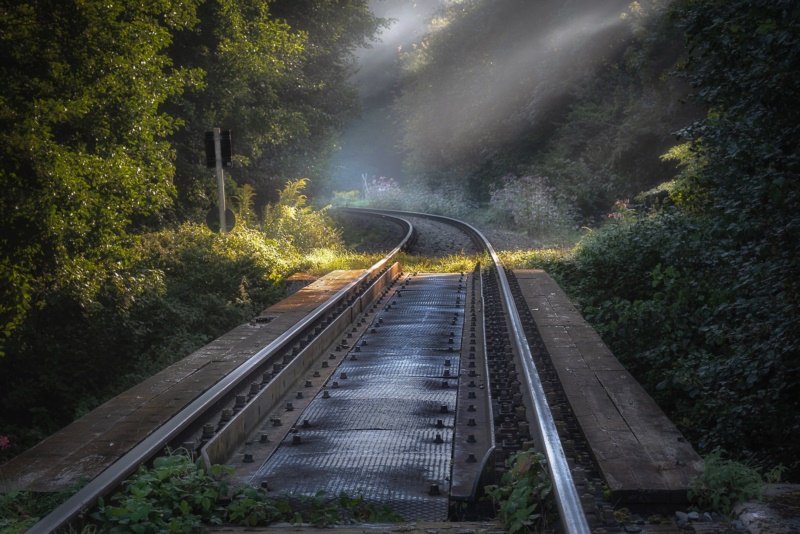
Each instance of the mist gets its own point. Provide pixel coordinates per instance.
(511, 69)
(501, 84)
(371, 143)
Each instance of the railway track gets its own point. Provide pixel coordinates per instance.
(443, 363)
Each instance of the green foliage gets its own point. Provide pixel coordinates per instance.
(176, 495)
(688, 317)
(291, 222)
(524, 495)
(245, 204)
(724, 483)
(102, 116)
(581, 99)
(276, 73)
(20, 510)
(177, 290)
(85, 142)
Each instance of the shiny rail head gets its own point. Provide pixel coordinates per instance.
(151, 446)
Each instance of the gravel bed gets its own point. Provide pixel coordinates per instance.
(508, 240)
(383, 235)
(436, 239)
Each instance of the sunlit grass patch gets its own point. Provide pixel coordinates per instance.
(533, 259)
(321, 261)
(455, 263)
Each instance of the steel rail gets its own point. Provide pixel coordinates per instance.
(566, 494)
(149, 447)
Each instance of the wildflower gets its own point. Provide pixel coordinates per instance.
(4, 443)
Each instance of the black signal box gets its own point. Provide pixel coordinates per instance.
(225, 149)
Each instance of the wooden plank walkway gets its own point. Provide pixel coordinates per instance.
(89, 445)
(642, 457)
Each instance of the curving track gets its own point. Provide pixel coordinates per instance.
(548, 440)
(241, 398)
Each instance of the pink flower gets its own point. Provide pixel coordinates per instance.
(4, 443)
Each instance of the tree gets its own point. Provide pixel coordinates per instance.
(85, 149)
(277, 76)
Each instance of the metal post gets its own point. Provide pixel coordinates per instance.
(220, 180)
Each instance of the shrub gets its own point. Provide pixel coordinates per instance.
(524, 494)
(531, 204)
(291, 222)
(704, 331)
(417, 197)
(724, 483)
(176, 495)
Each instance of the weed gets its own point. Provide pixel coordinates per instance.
(724, 483)
(20, 510)
(454, 263)
(524, 494)
(178, 495)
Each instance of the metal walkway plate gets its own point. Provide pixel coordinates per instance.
(383, 427)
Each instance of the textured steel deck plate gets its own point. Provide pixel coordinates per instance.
(385, 432)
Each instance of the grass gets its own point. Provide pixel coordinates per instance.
(543, 258)
(322, 261)
(20, 510)
(455, 263)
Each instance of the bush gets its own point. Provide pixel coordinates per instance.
(724, 483)
(702, 329)
(417, 197)
(533, 205)
(178, 495)
(163, 296)
(291, 222)
(524, 495)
